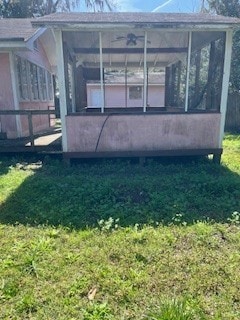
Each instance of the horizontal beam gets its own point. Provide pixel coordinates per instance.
(26, 112)
(130, 154)
(121, 65)
(129, 50)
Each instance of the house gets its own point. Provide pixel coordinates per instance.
(194, 50)
(124, 89)
(27, 59)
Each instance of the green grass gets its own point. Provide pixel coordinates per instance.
(159, 242)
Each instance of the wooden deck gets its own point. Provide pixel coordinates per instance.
(47, 142)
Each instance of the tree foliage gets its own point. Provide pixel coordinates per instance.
(31, 8)
(230, 8)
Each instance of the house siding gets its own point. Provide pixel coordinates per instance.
(7, 123)
(115, 96)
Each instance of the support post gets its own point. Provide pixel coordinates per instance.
(126, 89)
(225, 83)
(167, 86)
(101, 72)
(178, 87)
(30, 127)
(62, 86)
(145, 74)
(15, 95)
(188, 69)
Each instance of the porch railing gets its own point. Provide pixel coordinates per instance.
(29, 113)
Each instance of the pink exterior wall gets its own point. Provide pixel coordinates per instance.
(143, 132)
(40, 122)
(115, 96)
(7, 123)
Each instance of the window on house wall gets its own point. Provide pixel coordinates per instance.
(135, 92)
(50, 85)
(34, 82)
(43, 83)
(22, 71)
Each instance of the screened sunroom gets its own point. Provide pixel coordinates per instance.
(142, 83)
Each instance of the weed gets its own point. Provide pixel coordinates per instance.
(9, 289)
(27, 304)
(108, 225)
(97, 312)
(175, 310)
(235, 218)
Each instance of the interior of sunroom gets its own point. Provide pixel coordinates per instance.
(143, 71)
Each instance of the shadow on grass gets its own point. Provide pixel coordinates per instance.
(161, 191)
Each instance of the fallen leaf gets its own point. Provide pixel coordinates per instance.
(92, 293)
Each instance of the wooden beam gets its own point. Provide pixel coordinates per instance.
(197, 78)
(62, 86)
(15, 93)
(178, 86)
(140, 153)
(26, 112)
(129, 50)
(225, 84)
(145, 73)
(188, 69)
(167, 86)
(211, 75)
(101, 72)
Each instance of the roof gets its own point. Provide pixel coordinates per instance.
(16, 29)
(134, 18)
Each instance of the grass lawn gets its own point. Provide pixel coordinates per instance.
(116, 240)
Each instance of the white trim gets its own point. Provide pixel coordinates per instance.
(15, 94)
(101, 72)
(35, 36)
(145, 73)
(225, 83)
(188, 70)
(144, 26)
(62, 86)
(13, 45)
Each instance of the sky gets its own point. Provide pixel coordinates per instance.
(159, 5)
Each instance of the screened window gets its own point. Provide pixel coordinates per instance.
(34, 82)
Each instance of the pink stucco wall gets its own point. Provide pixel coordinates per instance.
(142, 132)
(40, 122)
(7, 123)
(115, 96)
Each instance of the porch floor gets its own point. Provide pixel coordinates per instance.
(45, 142)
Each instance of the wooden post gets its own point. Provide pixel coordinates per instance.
(126, 89)
(145, 74)
(167, 86)
(62, 86)
(197, 78)
(172, 85)
(101, 72)
(211, 75)
(30, 127)
(15, 95)
(179, 72)
(225, 84)
(188, 69)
